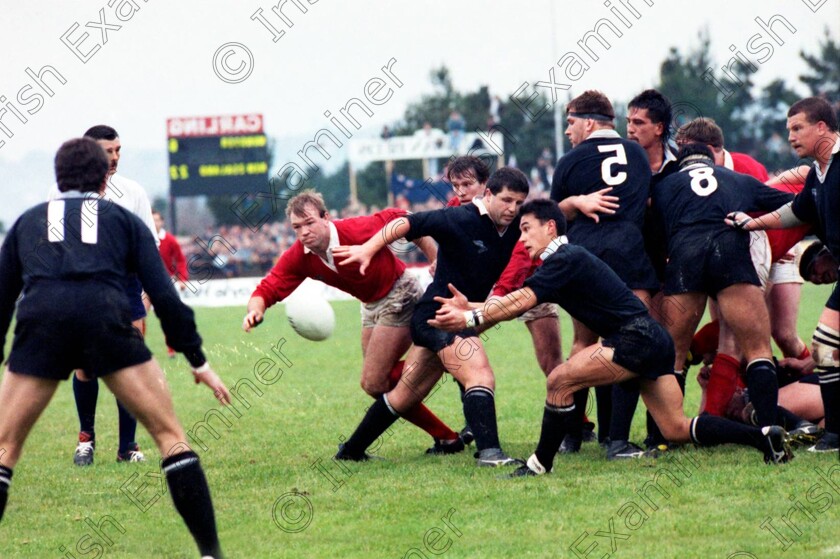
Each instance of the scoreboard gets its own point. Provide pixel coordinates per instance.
(217, 155)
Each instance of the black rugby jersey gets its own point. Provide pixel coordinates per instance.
(61, 252)
(472, 253)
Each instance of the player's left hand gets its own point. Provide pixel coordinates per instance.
(352, 253)
(599, 202)
(738, 220)
(214, 383)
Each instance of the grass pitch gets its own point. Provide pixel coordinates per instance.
(278, 493)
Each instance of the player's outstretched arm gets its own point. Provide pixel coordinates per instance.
(591, 205)
(255, 315)
(782, 218)
(207, 376)
(456, 313)
(393, 230)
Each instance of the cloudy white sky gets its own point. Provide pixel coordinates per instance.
(159, 64)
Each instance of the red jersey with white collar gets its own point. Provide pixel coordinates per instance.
(299, 263)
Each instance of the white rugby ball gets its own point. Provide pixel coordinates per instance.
(312, 317)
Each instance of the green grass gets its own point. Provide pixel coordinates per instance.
(386, 509)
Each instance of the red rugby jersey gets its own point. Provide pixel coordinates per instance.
(297, 264)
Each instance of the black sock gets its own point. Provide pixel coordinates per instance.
(764, 390)
(575, 425)
(480, 411)
(192, 500)
(86, 393)
(461, 390)
(128, 429)
(554, 428)
(710, 430)
(625, 397)
(603, 399)
(5, 482)
(787, 418)
(654, 436)
(830, 392)
(375, 422)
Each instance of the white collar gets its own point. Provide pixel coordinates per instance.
(820, 175)
(478, 201)
(554, 246)
(727, 161)
(161, 234)
(667, 157)
(604, 133)
(482, 210)
(333, 241)
(76, 194)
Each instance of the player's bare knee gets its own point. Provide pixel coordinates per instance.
(675, 431)
(373, 387)
(559, 383)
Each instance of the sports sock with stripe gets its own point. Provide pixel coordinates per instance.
(191, 496)
(554, 428)
(480, 412)
(829, 374)
(5, 483)
(764, 390)
(376, 421)
(708, 430)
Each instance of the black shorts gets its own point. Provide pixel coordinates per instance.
(431, 338)
(622, 248)
(710, 264)
(644, 347)
(91, 332)
(833, 302)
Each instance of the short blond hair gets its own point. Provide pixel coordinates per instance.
(297, 204)
(701, 130)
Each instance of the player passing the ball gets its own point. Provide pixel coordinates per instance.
(70, 258)
(388, 294)
(632, 344)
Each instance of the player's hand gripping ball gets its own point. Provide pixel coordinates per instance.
(311, 317)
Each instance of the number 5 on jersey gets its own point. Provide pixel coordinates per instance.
(620, 158)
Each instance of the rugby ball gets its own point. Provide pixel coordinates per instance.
(311, 317)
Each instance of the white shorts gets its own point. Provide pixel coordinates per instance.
(760, 253)
(786, 268)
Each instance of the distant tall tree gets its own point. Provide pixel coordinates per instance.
(823, 77)
(696, 88)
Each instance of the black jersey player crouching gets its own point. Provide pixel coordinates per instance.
(69, 258)
(633, 344)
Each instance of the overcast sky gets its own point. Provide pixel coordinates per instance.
(160, 63)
